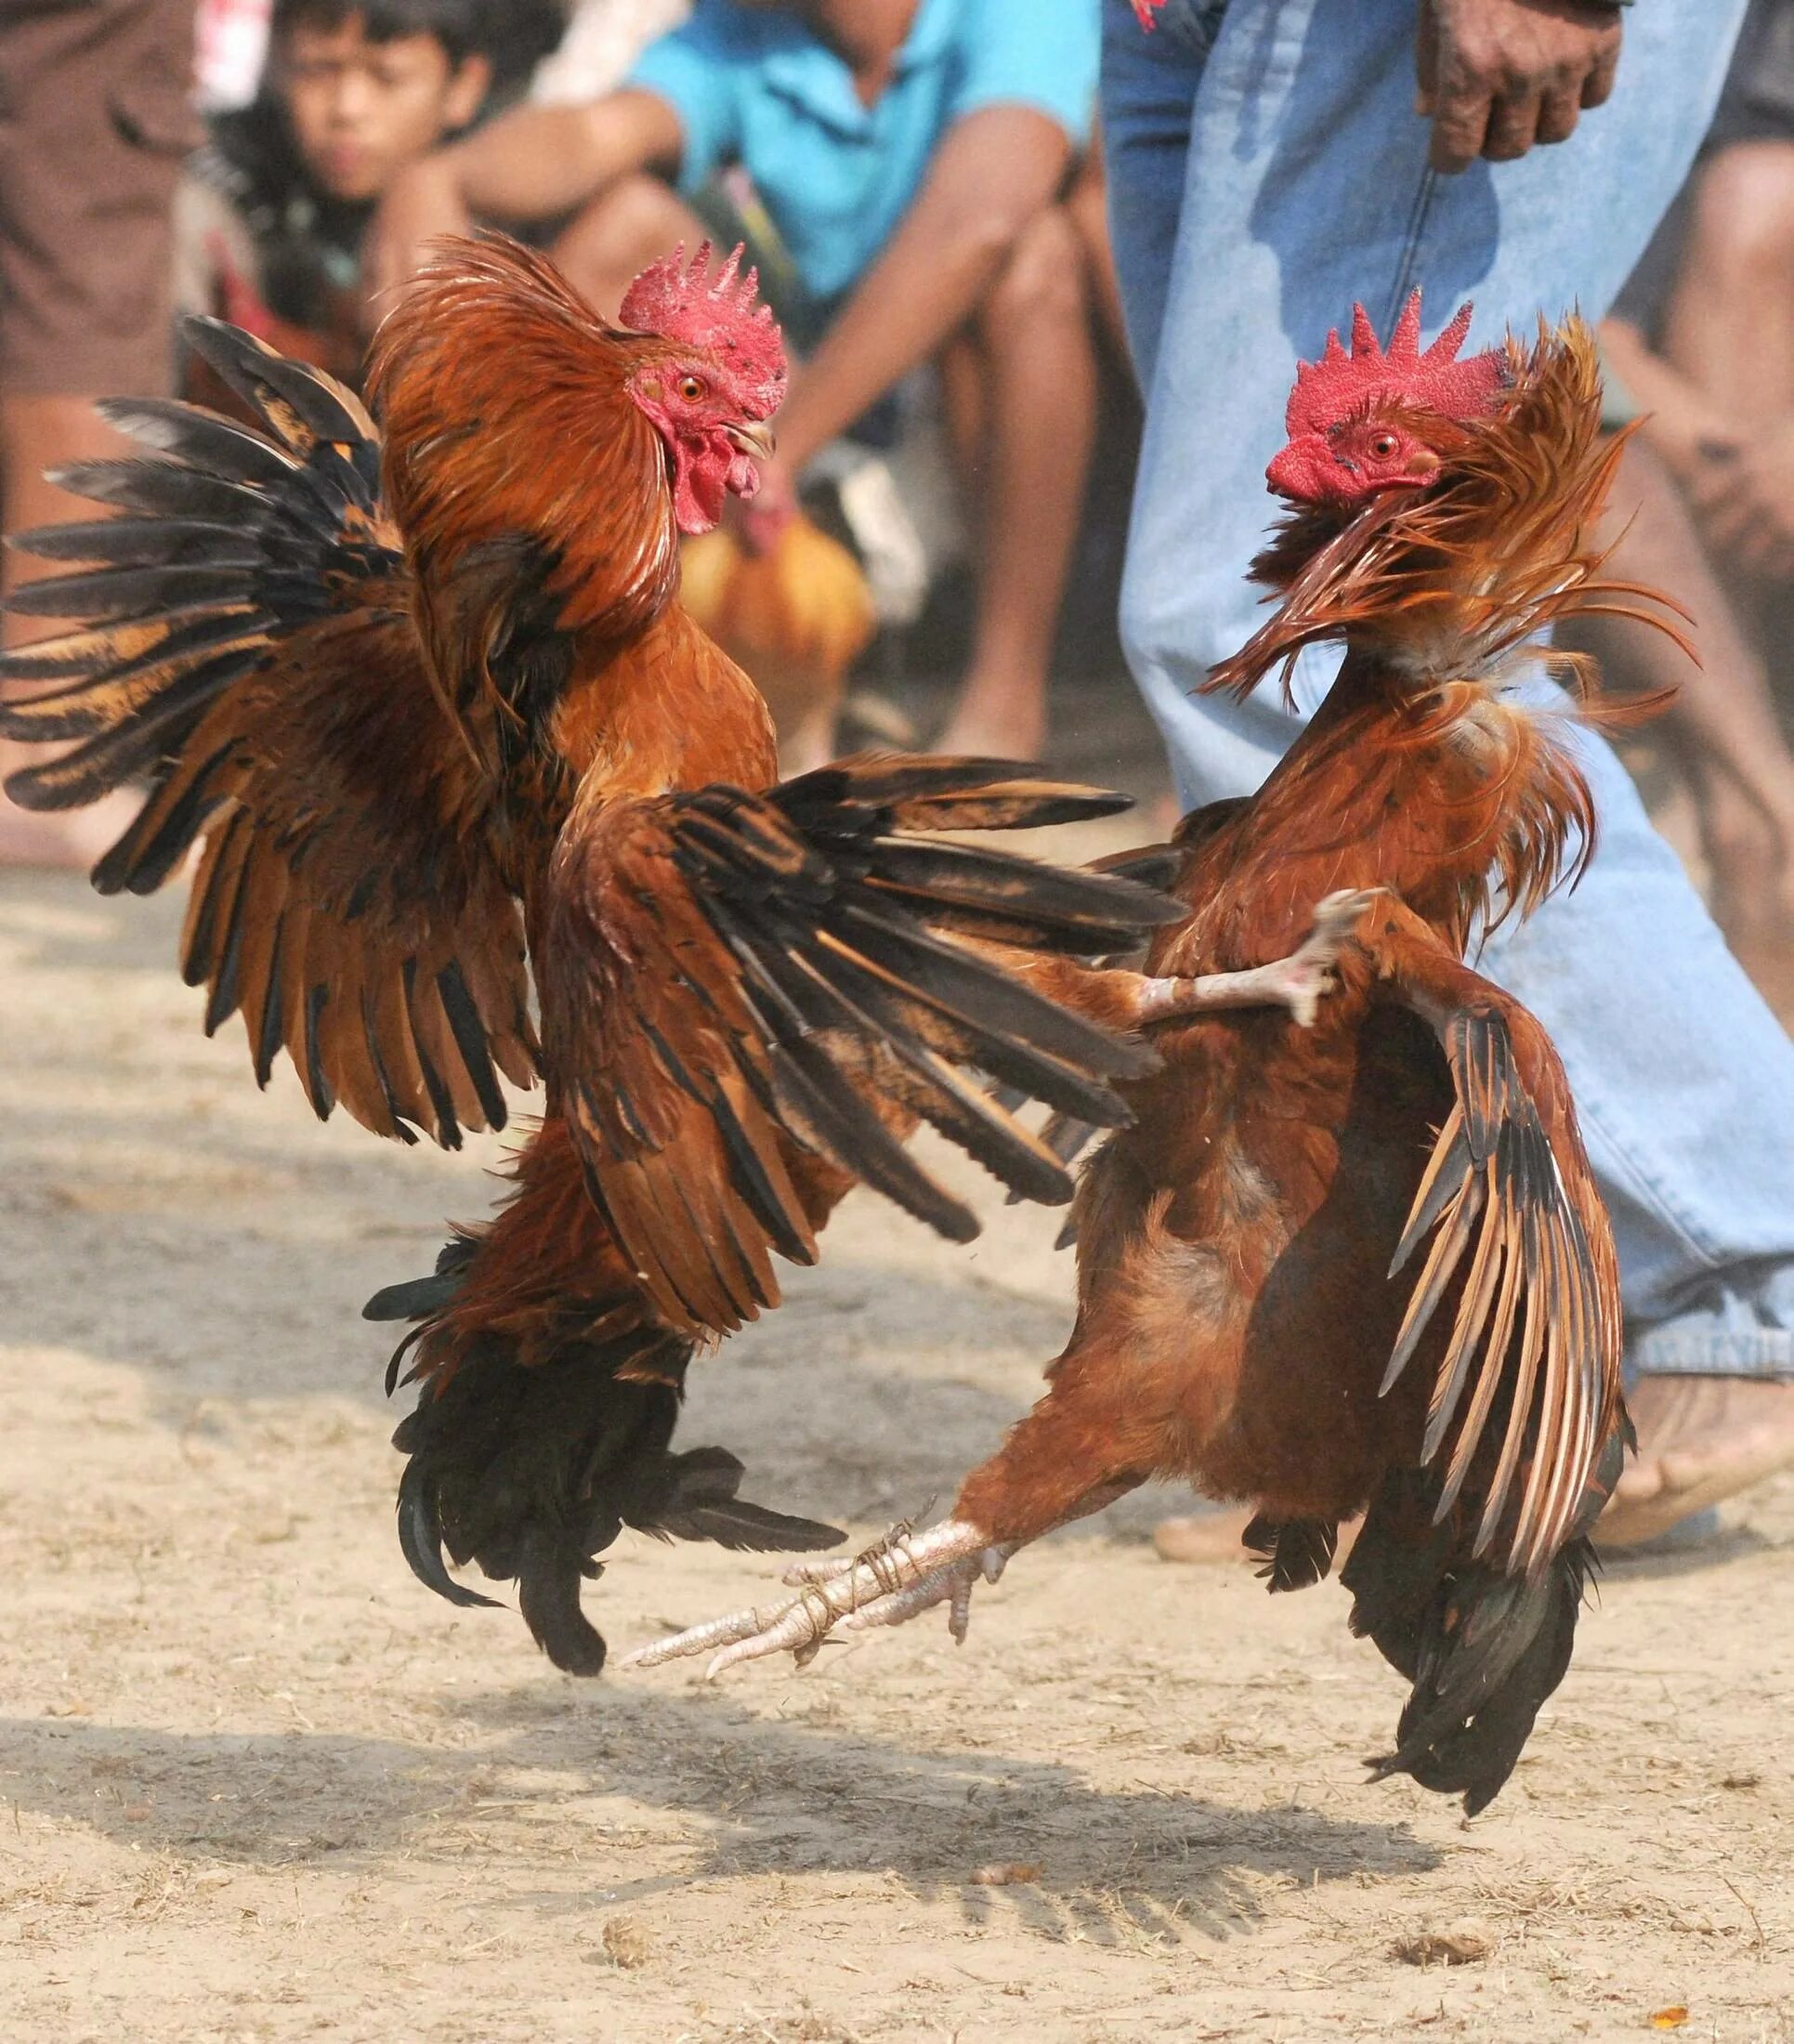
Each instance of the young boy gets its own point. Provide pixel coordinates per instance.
(269, 220)
(913, 157)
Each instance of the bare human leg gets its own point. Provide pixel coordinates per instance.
(1728, 334)
(1729, 324)
(37, 434)
(1088, 204)
(1720, 724)
(1030, 349)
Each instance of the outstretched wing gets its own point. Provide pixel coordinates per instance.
(1533, 1357)
(246, 648)
(727, 974)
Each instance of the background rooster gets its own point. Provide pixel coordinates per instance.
(444, 729)
(795, 615)
(1363, 1268)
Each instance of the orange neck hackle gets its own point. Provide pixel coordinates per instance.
(1450, 580)
(510, 430)
(1443, 599)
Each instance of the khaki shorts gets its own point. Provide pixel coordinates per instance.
(95, 120)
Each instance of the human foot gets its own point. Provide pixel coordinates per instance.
(1700, 1440)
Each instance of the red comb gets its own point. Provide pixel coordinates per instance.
(1331, 389)
(683, 302)
(1143, 10)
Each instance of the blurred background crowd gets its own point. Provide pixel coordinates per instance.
(936, 553)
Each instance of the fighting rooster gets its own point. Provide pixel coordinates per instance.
(429, 701)
(1361, 1268)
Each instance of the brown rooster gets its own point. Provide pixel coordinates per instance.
(1362, 1268)
(433, 707)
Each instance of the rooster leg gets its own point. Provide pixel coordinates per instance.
(906, 1573)
(1297, 982)
(885, 1586)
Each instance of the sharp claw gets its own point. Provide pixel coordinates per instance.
(1337, 914)
(1312, 975)
(958, 1610)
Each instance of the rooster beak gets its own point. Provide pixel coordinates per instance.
(1296, 471)
(753, 438)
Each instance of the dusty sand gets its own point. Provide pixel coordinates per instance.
(255, 1783)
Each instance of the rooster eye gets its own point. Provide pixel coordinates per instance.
(1384, 445)
(691, 389)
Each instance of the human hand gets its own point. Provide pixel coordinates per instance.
(1742, 494)
(1499, 76)
(423, 201)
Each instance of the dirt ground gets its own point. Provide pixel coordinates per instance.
(255, 1783)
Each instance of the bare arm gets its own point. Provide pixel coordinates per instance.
(1736, 480)
(1683, 420)
(530, 164)
(1723, 715)
(993, 173)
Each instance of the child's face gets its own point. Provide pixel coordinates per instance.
(361, 110)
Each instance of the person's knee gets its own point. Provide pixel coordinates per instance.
(1042, 281)
(633, 223)
(1744, 211)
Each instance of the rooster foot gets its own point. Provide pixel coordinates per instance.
(1307, 973)
(1298, 982)
(902, 1575)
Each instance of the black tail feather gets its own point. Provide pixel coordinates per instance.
(1295, 1552)
(1483, 1650)
(530, 1471)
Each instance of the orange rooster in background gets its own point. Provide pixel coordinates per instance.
(1361, 1268)
(795, 615)
(430, 700)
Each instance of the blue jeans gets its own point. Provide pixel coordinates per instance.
(1267, 168)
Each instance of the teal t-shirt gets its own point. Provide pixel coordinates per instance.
(753, 86)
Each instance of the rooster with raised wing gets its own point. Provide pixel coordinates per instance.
(428, 700)
(1359, 1269)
